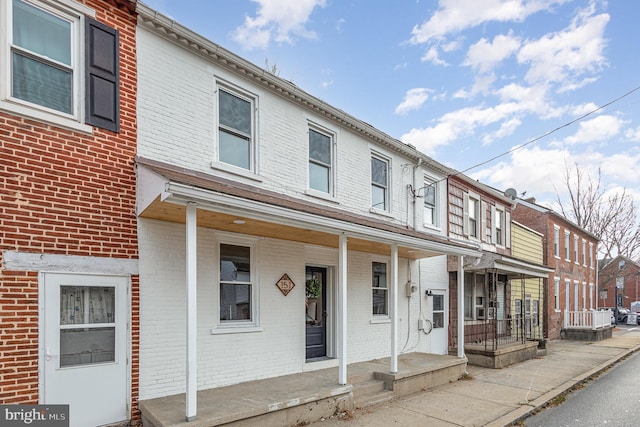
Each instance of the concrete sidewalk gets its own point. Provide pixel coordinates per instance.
(499, 397)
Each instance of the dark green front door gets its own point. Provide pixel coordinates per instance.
(316, 313)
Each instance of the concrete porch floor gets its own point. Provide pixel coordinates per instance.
(305, 397)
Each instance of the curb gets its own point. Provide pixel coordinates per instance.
(527, 410)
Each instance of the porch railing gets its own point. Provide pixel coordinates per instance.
(587, 319)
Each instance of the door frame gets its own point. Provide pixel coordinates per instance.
(127, 352)
(330, 320)
(436, 347)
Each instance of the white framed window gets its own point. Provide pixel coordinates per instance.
(498, 225)
(474, 297)
(472, 215)
(379, 289)
(556, 293)
(535, 313)
(567, 245)
(584, 252)
(237, 290)
(567, 298)
(584, 295)
(59, 65)
(321, 161)
(576, 296)
(556, 241)
(380, 182)
(590, 255)
(575, 249)
(236, 128)
(430, 203)
(591, 296)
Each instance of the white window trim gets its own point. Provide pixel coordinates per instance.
(591, 255)
(380, 318)
(576, 249)
(68, 10)
(556, 229)
(430, 181)
(556, 296)
(331, 195)
(242, 325)
(254, 159)
(494, 221)
(472, 196)
(388, 197)
(584, 252)
(567, 246)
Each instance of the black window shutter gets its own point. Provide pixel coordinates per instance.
(102, 76)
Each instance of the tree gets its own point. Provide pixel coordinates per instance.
(611, 217)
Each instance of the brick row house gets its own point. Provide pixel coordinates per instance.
(288, 233)
(618, 282)
(493, 295)
(68, 239)
(571, 252)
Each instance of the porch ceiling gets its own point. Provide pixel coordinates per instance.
(173, 212)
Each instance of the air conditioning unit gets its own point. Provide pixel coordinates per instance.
(480, 313)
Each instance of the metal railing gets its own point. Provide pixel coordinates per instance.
(587, 319)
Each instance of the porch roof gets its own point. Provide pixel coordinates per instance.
(164, 190)
(509, 266)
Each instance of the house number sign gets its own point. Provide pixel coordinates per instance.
(285, 284)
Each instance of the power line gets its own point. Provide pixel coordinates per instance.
(551, 131)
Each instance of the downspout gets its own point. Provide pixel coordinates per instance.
(460, 307)
(414, 194)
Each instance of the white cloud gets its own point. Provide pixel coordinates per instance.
(484, 55)
(433, 56)
(454, 16)
(413, 100)
(507, 128)
(564, 56)
(599, 129)
(276, 20)
(633, 134)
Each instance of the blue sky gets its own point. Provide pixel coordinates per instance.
(462, 80)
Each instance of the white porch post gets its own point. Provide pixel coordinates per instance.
(192, 313)
(394, 308)
(342, 309)
(460, 307)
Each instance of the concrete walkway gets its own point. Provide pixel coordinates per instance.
(499, 397)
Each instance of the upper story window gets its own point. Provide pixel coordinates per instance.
(590, 255)
(567, 245)
(379, 288)
(473, 216)
(584, 252)
(320, 161)
(556, 241)
(499, 227)
(59, 65)
(575, 249)
(379, 183)
(430, 203)
(236, 145)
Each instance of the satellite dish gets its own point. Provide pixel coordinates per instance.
(511, 193)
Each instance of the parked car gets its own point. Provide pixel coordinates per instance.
(621, 315)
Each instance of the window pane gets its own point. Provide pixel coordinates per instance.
(235, 112)
(319, 177)
(379, 275)
(235, 263)
(40, 32)
(235, 302)
(86, 346)
(438, 320)
(430, 195)
(319, 147)
(41, 84)
(380, 301)
(234, 150)
(379, 171)
(87, 305)
(378, 197)
(438, 302)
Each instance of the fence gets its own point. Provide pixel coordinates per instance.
(587, 319)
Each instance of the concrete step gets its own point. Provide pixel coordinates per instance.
(370, 392)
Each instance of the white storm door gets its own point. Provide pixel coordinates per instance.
(85, 346)
(439, 334)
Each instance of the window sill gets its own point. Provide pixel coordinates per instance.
(379, 212)
(320, 195)
(235, 330)
(44, 116)
(432, 227)
(379, 320)
(234, 170)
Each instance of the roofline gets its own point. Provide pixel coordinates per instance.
(548, 211)
(188, 39)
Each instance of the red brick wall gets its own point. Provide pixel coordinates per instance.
(630, 272)
(64, 192)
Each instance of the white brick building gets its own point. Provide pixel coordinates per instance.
(244, 178)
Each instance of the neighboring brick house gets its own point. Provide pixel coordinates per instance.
(493, 282)
(248, 185)
(68, 245)
(625, 273)
(571, 252)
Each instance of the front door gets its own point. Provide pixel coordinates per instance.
(84, 336)
(439, 344)
(316, 312)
